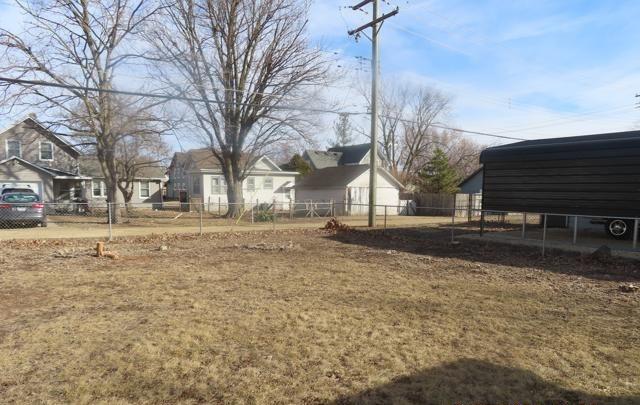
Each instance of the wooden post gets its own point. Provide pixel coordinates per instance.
(470, 211)
(100, 249)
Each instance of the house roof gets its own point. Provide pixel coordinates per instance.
(471, 176)
(572, 147)
(320, 159)
(339, 176)
(203, 159)
(38, 126)
(55, 173)
(351, 154)
(90, 166)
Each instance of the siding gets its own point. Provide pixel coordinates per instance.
(30, 137)
(16, 172)
(599, 177)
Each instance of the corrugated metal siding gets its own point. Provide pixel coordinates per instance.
(598, 178)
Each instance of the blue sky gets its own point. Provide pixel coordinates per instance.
(533, 68)
(528, 69)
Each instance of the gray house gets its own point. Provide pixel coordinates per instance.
(32, 156)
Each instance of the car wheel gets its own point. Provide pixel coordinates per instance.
(619, 228)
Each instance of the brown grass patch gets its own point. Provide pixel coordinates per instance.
(340, 318)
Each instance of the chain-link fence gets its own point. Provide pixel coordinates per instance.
(34, 219)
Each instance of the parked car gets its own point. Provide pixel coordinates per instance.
(8, 190)
(25, 208)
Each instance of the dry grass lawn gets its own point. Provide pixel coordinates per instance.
(313, 317)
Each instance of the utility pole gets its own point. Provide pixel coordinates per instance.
(374, 24)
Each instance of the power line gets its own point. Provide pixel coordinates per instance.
(201, 100)
(168, 97)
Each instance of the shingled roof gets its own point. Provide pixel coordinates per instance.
(320, 159)
(89, 166)
(334, 177)
(351, 154)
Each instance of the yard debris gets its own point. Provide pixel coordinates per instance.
(334, 225)
(100, 252)
(163, 248)
(268, 246)
(65, 254)
(602, 254)
(628, 288)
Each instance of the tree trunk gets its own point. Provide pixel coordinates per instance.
(112, 198)
(235, 198)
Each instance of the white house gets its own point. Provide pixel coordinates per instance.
(196, 176)
(348, 188)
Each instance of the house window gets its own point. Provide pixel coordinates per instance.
(251, 183)
(13, 148)
(195, 184)
(218, 185)
(268, 183)
(99, 188)
(144, 189)
(46, 151)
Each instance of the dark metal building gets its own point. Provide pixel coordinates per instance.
(594, 175)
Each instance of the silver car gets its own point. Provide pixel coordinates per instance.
(24, 208)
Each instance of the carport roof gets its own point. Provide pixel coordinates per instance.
(562, 148)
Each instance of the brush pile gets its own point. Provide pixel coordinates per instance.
(334, 225)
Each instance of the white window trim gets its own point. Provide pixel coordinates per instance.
(264, 183)
(6, 147)
(221, 187)
(40, 151)
(140, 188)
(103, 189)
(253, 187)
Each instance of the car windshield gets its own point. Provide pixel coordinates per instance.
(20, 198)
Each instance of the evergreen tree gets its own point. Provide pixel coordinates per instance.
(439, 176)
(297, 164)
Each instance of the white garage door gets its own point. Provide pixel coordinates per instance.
(33, 185)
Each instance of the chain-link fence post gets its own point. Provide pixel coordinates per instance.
(201, 209)
(109, 208)
(544, 234)
(274, 215)
(453, 219)
(385, 220)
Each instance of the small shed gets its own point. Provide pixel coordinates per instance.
(592, 175)
(472, 184)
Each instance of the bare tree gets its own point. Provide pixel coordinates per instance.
(463, 153)
(80, 43)
(343, 131)
(247, 57)
(140, 147)
(407, 135)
